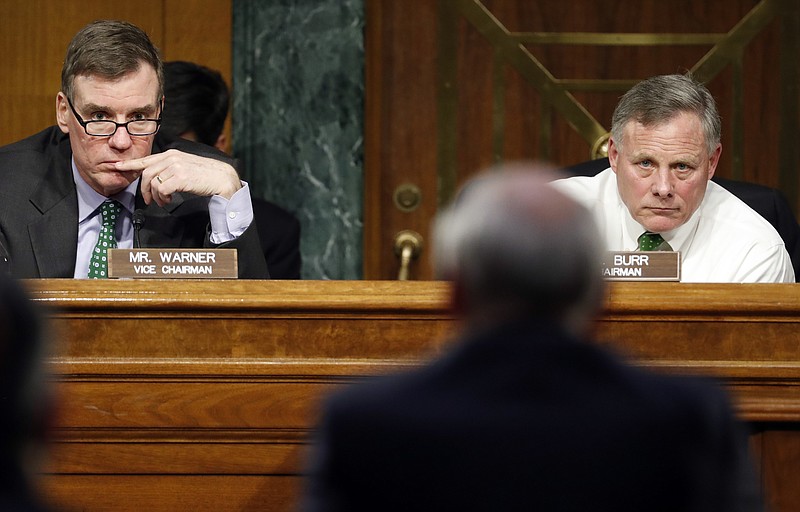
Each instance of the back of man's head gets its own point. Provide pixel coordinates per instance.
(516, 246)
(197, 101)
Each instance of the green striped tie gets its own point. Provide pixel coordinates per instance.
(98, 265)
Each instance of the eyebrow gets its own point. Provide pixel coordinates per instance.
(93, 107)
(680, 159)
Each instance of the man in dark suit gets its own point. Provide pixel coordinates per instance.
(526, 413)
(104, 154)
(197, 103)
(26, 406)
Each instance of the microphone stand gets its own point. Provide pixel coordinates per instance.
(138, 222)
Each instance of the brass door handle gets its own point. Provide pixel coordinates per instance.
(407, 245)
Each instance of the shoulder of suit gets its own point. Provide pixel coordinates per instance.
(720, 197)
(727, 209)
(37, 154)
(48, 138)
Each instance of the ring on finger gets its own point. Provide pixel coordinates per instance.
(158, 177)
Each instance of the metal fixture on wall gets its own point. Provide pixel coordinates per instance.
(407, 246)
(407, 197)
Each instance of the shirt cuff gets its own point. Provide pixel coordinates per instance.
(230, 218)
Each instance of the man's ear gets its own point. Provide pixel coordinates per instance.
(222, 143)
(713, 160)
(613, 154)
(62, 112)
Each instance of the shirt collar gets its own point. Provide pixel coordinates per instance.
(89, 199)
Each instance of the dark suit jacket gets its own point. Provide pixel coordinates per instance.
(25, 410)
(767, 202)
(39, 210)
(279, 232)
(23, 505)
(525, 417)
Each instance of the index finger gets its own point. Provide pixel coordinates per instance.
(138, 164)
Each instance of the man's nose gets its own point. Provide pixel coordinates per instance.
(663, 182)
(121, 139)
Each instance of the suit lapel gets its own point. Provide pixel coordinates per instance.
(54, 236)
(161, 228)
(55, 241)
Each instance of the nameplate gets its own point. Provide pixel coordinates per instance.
(642, 266)
(173, 264)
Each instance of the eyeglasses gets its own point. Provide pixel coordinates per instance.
(107, 128)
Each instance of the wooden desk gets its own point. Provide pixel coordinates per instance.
(197, 395)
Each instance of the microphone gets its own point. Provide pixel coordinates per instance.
(5, 259)
(138, 222)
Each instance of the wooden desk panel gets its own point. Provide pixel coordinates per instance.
(195, 493)
(181, 387)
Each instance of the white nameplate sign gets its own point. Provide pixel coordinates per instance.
(173, 264)
(642, 266)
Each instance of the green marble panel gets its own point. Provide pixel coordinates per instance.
(298, 110)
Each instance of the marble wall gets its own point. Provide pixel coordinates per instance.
(298, 109)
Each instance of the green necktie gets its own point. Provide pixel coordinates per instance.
(652, 242)
(98, 265)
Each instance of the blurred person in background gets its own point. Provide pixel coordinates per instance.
(26, 405)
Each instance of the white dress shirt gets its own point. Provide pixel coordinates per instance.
(724, 241)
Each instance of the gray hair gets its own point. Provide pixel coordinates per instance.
(109, 49)
(511, 239)
(660, 98)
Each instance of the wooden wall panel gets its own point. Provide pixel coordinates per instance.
(34, 35)
(200, 31)
(400, 128)
(626, 62)
(33, 39)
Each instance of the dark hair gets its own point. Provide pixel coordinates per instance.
(196, 101)
(109, 49)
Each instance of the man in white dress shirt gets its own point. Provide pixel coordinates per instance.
(663, 151)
